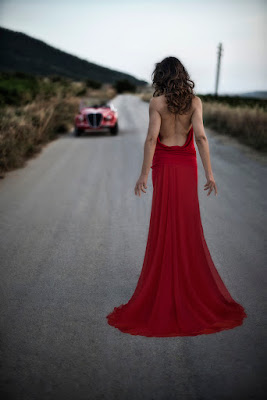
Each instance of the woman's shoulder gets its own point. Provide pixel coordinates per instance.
(157, 99)
(196, 102)
(157, 102)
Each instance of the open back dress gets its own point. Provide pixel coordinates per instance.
(179, 291)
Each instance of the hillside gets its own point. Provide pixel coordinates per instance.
(22, 53)
(255, 95)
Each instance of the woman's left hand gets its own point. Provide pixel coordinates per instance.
(141, 184)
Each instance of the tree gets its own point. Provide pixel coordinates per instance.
(124, 85)
(90, 83)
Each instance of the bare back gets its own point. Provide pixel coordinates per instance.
(174, 127)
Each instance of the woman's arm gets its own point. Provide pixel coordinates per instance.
(149, 146)
(203, 145)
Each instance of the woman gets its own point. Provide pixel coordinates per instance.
(179, 291)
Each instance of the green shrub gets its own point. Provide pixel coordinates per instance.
(93, 84)
(124, 85)
(17, 88)
(81, 92)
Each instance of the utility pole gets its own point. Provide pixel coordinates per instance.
(219, 54)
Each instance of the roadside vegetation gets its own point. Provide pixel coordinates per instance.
(35, 110)
(239, 117)
(246, 120)
(124, 85)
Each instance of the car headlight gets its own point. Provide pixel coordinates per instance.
(109, 117)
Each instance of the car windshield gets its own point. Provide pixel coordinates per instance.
(91, 102)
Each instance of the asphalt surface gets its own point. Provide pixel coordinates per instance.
(72, 241)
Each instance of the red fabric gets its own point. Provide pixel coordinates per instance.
(179, 291)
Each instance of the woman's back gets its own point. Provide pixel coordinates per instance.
(174, 127)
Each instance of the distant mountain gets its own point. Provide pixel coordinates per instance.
(260, 94)
(20, 52)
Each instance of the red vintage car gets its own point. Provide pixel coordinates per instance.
(96, 117)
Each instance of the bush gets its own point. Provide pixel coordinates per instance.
(24, 130)
(93, 84)
(235, 101)
(17, 88)
(57, 78)
(124, 85)
(81, 92)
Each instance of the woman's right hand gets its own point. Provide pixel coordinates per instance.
(211, 185)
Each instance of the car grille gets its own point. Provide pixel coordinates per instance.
(95, 119)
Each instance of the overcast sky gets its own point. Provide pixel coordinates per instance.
(131, 36)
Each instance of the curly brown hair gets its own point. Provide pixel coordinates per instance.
(171, 78)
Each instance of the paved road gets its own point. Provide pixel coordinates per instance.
(72, 240)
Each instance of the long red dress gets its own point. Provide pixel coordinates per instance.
(179, 291)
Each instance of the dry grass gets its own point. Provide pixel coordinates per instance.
(247, 124)
(25, 129)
